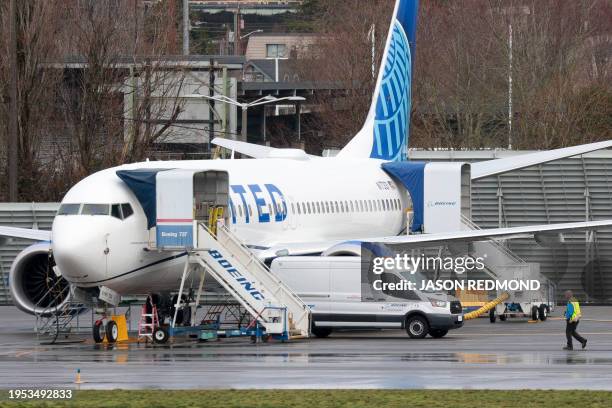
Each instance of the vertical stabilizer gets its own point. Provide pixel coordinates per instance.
(384, 134)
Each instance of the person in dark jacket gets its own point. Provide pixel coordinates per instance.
(572, 318)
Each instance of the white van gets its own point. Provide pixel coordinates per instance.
(331, 286)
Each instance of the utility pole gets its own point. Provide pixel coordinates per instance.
(13, 139)
(237, 29)
(510, 86)
(372, 35)
(186, 26)
(211, 102)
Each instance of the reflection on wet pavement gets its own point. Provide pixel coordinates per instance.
(477, 356)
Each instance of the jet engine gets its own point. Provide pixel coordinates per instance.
(35, 287)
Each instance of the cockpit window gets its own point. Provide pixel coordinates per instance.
(95, 209)
(116, 211)
(69, 209)
(127, 210)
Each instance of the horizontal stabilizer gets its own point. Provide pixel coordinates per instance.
(261, 152)
(499, 166)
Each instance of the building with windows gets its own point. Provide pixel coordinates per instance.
(278, 45)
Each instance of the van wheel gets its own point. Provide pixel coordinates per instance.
(417, 327)
(438, 334)
(542, 312)
(321, 332)
(492, 316)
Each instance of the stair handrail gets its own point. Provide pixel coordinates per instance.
(472, 225)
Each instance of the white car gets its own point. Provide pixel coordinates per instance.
(331, 287)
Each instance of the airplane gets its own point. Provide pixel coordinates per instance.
(281, 201)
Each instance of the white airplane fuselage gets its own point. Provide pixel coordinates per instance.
(328, 200)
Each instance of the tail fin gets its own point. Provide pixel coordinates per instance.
(385, 132)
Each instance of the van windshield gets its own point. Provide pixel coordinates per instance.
(417, 278)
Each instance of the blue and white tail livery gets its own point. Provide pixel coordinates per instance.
(385, 132)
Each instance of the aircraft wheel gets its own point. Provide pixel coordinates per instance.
(98, 331)
(160, 335)
(542, 312)
(112, 331)
(534, 313)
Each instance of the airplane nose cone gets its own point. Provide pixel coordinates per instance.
(80, 248)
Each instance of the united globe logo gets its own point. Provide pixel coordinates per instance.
(393, 103)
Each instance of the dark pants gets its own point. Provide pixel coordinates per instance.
(570, 331)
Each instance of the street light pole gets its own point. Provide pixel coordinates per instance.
(186, 27)
(244, 122)
(245, 106)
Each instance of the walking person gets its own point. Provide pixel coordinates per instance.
(572, 317)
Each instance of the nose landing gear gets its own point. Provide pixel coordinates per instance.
(105, 328)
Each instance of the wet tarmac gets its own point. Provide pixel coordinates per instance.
(506, 355)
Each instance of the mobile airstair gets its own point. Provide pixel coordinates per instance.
(272, 304)
(503, 264)
(55, 313)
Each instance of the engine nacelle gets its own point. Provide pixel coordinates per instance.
(346, 248)
(31, 279)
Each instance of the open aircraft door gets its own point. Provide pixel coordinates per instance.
(185, 196)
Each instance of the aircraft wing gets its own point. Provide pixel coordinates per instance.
(33, 234)
(427, 240)
(498, 166)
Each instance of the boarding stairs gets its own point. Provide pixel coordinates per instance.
(56, 317)
(500, 261)
(503, 264)
(271, 303)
